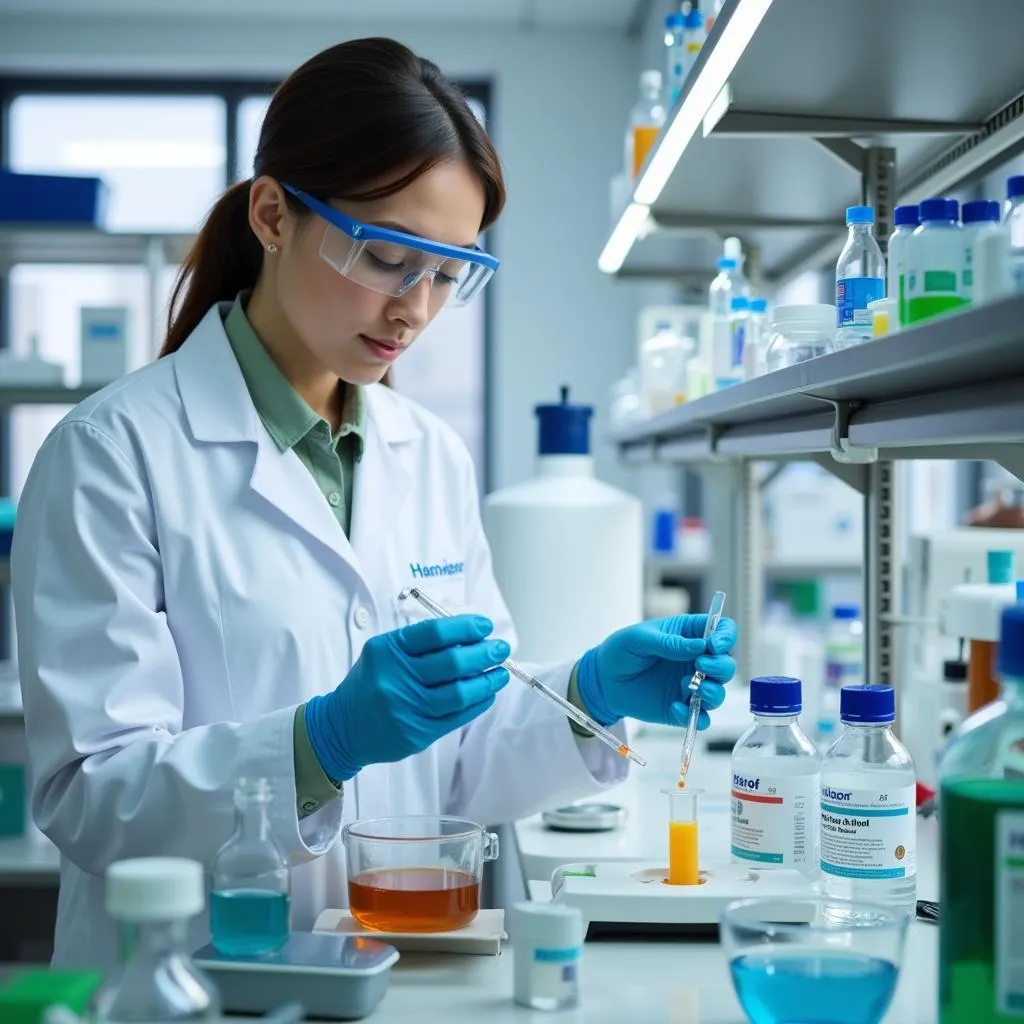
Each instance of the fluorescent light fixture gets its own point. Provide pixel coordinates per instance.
(141, 154)
(719, 108)
(720, 62)
(631, 223)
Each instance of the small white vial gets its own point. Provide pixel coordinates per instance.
(547, 946)
(869, 805)
(776, 777)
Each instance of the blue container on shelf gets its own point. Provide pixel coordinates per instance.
(51, 199)
(8, 512)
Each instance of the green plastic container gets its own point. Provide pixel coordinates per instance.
(30, 993)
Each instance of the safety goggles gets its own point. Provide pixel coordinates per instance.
(392, 262)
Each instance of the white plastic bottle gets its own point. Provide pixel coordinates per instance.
(860, 278)
(755, 343)
(675, 55)
(663, 359)
(869, 805)
(991, 262)
(732, 249)
(776, 778)
(720, 307)
(645, 122)
(935, 258)
(844, 666)
(694, 35)
(979, 217)
(1013, 218)
(906, 220)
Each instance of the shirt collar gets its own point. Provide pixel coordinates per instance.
(284, 412)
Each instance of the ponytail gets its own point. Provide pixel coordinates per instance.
(224, 260)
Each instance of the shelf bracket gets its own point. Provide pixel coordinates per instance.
(840, 448)
(847, 152)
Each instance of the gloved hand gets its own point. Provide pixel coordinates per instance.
(643, 671)
(409, 688)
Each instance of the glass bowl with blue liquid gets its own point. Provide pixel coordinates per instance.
(813, 961)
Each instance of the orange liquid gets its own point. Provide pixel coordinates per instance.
(414, 899)
(682, 853)
(644, 137)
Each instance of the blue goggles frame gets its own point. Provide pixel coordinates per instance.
(361, 232)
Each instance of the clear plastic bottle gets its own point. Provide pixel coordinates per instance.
(935, 257)
(869, 805)
(860, 278)
(776, 779)
(906, 220)
(720, 306)
(729, 356)
(694, 35)
(756, 341)
(844, 666)
(1013, 218)
(732, 249)
(249, 903)
(663, 359)
(799, 333)
(152, 899)
(675, 55)
(645, 122)
(981, 821)
(979, 217)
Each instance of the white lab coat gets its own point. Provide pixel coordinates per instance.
(181, 585)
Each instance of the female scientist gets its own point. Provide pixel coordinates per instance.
(209, 551)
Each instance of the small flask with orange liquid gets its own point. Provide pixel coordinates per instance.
(645, 122)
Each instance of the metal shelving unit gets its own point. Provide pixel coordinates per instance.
(794, 110)
(766, 140)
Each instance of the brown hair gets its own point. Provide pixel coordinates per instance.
(356, 115)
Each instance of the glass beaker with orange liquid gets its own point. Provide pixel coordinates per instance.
(416, 873)
(683, 861)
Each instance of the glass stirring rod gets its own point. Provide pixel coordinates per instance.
(714, 614)
(580, 717)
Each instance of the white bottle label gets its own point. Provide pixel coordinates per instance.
(773, 819)
(1009, 896)
(868, 833)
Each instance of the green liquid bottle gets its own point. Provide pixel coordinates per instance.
(981, 816)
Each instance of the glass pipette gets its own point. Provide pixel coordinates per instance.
(580, 717)
(714, 614)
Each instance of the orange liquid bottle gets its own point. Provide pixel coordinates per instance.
(414, 899)
(645, 121)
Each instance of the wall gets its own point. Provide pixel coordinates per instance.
(560, 102)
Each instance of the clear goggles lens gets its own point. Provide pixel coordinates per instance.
(394, 269)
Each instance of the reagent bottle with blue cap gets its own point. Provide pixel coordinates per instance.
(869, 805)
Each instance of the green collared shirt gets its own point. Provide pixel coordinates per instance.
(330, 458)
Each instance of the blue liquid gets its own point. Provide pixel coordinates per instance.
(248, 922)
(804, 987)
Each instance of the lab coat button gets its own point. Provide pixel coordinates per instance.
(334, 498)
(362, 618)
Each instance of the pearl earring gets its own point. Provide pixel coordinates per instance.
(272, 248)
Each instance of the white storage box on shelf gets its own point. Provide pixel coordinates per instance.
(568, 549)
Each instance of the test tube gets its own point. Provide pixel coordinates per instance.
(683, 866)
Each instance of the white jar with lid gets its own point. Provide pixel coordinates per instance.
(799, 333)
(547, 944)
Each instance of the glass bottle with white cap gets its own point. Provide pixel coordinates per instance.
(153, 899)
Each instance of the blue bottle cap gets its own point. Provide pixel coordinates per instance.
(862, 704)
(739, 303)
(674, 20)
(906, 215)
(663, 539)
(726, 263)
(1010, 659)
(1015, 186)
(1020, 590)
(981, 210)
(564, 428)
(758, 305)
(939, 209)
(694, 19)
(845, 611)
(1001, 566)
(776, 695)
(860, 215)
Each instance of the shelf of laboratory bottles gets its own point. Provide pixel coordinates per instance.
(947, 388)
(667, 566)
(33, 243)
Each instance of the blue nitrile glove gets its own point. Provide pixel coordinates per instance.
(409, 688)
(643, 671)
